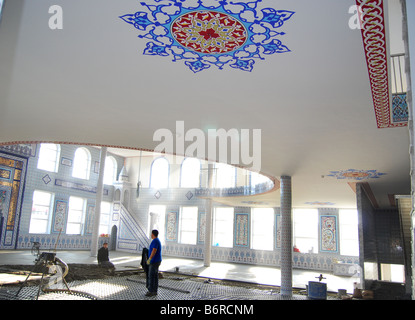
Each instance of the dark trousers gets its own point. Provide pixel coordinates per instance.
(152, 282)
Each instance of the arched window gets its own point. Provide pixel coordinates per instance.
(159, 176)
(49, 157)
(110, 170)
(190, 173)
(225, 176)
(81, 164)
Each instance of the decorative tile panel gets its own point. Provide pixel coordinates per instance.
(11, 186)
(202, 228)
(400, 112)
(329, 241)
(242, 229)
(78, 186)
(89, 221)
(59, 216)
(171, 226)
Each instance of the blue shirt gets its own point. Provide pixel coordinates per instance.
(155, 244)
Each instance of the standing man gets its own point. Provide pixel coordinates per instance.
(154, 261)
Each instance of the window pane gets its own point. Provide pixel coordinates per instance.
(41, 198)
(75, 216)
(73, 228)
(38, 226)
(76, 203)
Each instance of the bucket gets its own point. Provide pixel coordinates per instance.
(317, 290)
(342, 292)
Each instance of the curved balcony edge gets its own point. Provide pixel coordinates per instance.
(260, 188)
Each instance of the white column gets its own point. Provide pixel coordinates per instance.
(209, 219)
(100, 189)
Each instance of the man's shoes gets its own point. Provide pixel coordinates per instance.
(150, 294)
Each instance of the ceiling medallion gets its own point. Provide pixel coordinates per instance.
(210, 32)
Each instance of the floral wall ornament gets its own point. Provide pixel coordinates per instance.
(210, 32)
(320, 203)
(353, 174)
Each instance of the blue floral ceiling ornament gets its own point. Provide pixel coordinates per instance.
(353, 174)
(203, 33)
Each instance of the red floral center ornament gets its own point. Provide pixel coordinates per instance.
(209, 32)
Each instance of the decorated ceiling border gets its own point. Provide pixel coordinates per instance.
(373, 28)
(205, 33)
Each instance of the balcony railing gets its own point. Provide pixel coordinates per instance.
(235, 191)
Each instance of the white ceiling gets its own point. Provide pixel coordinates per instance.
(90, 83)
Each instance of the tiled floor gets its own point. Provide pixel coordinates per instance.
(133, 288)
(176, 286)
